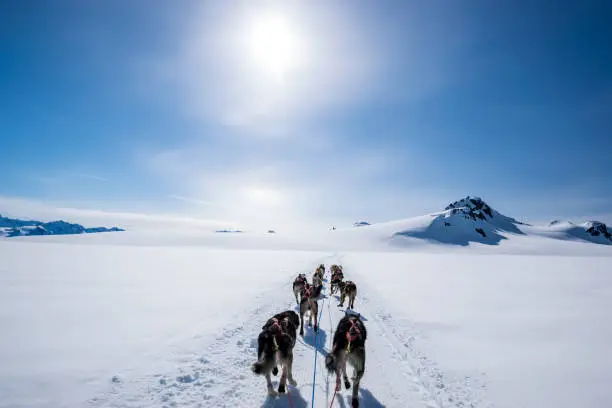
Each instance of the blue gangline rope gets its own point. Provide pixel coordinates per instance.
(314, 374)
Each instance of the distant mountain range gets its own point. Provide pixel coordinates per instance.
(471, 219)
(10, 227)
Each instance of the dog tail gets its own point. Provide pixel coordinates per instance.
(330, 363)
(257, 367)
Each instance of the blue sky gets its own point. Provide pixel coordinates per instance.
(274, 112)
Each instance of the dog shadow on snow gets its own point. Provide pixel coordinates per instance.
(366, 400)
(311, 338)
(282, 401)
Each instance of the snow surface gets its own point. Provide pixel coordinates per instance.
(569, 231)
(171, 319)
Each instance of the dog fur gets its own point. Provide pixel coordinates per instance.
(275, 347)
(316, 290)
(348, 289)
(336, 279)
(317, 279)
(321, 270)
(317, 276)
(350, 327)
(309, 302)
(298, 286)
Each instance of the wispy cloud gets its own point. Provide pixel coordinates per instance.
(66, 176)
(45, 211)
(190, 199)
(321, 187)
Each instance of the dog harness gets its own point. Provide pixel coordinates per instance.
(352, 334)
(276, 328)
(307, 294)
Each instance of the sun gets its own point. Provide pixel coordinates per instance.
(273, 44)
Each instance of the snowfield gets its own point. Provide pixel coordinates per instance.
(158, 320)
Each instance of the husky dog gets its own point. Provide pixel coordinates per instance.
(298, 286)
(336, 279)
(320, 270)
(308, 302)
(275, 346)
(316, 289)
(317, 280)
(348, 289)
(349, 344)
(335, 268)
(318, 275)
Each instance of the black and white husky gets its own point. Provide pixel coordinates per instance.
(336, 280)
(275, 347)
(349, 345)
(348, 289)
(298, 286)
(308, 302)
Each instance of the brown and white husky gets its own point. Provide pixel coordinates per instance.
(275, 347)
(348, 345)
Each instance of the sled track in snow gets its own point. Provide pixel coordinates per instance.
(437, 389)
(219, 374)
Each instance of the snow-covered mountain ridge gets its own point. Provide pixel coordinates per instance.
(471, 219)
(11, 227)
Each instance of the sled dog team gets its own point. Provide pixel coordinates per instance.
(278, 335)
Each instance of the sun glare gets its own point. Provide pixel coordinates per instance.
(273, 44)
(263, 196)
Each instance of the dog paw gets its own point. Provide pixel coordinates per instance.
(292, 381)
(355, 403)
(275, 371)
(302, 333)
(272, 392)
(282, 389)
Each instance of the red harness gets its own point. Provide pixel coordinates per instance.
(277, 326)
(353, 332)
